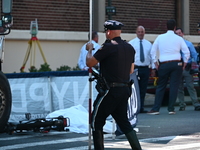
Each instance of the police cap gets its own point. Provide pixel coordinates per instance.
(112, 25)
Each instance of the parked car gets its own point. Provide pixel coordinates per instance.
(151, 89)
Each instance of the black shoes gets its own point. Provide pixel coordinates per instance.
(197, 108)
(143, 111)
(182, 109)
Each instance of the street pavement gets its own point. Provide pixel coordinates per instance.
(165, 132)
(171, 132)
(155, 132)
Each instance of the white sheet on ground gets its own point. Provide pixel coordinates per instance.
(78, 116)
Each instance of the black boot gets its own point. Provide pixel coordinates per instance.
(98, 140)
(133, 140)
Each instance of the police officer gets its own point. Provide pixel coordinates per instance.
(116, 59)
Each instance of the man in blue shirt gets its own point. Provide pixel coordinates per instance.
(83, 52)
(188, 77)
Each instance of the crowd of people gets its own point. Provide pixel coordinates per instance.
(170, 57)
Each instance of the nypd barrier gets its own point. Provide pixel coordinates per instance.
(43, 93)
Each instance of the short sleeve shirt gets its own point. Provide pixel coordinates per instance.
(115, 59)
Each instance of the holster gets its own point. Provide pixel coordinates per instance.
(131, 82)
(130, 86)
(102, 86)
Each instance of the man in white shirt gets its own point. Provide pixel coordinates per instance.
(170, 67)
(83, 52)
(142, 64)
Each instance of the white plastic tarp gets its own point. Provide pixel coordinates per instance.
(78, 117)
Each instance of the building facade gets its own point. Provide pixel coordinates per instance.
(64, 25)
(73, 15)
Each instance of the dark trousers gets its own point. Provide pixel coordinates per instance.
(171, 72)
(143, 74)
(115, 103)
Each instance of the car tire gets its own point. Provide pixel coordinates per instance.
(5, 101)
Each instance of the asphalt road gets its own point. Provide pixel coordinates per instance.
(156, 132)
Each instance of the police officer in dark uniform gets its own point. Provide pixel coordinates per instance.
(116, 59)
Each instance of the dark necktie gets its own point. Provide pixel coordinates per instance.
(141, 52)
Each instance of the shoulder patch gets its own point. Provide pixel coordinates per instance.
(114, 42)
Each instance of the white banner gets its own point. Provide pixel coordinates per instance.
(40, 96)
(70, 91)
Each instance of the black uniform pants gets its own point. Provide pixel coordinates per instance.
(114, 103)
(143, 74)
